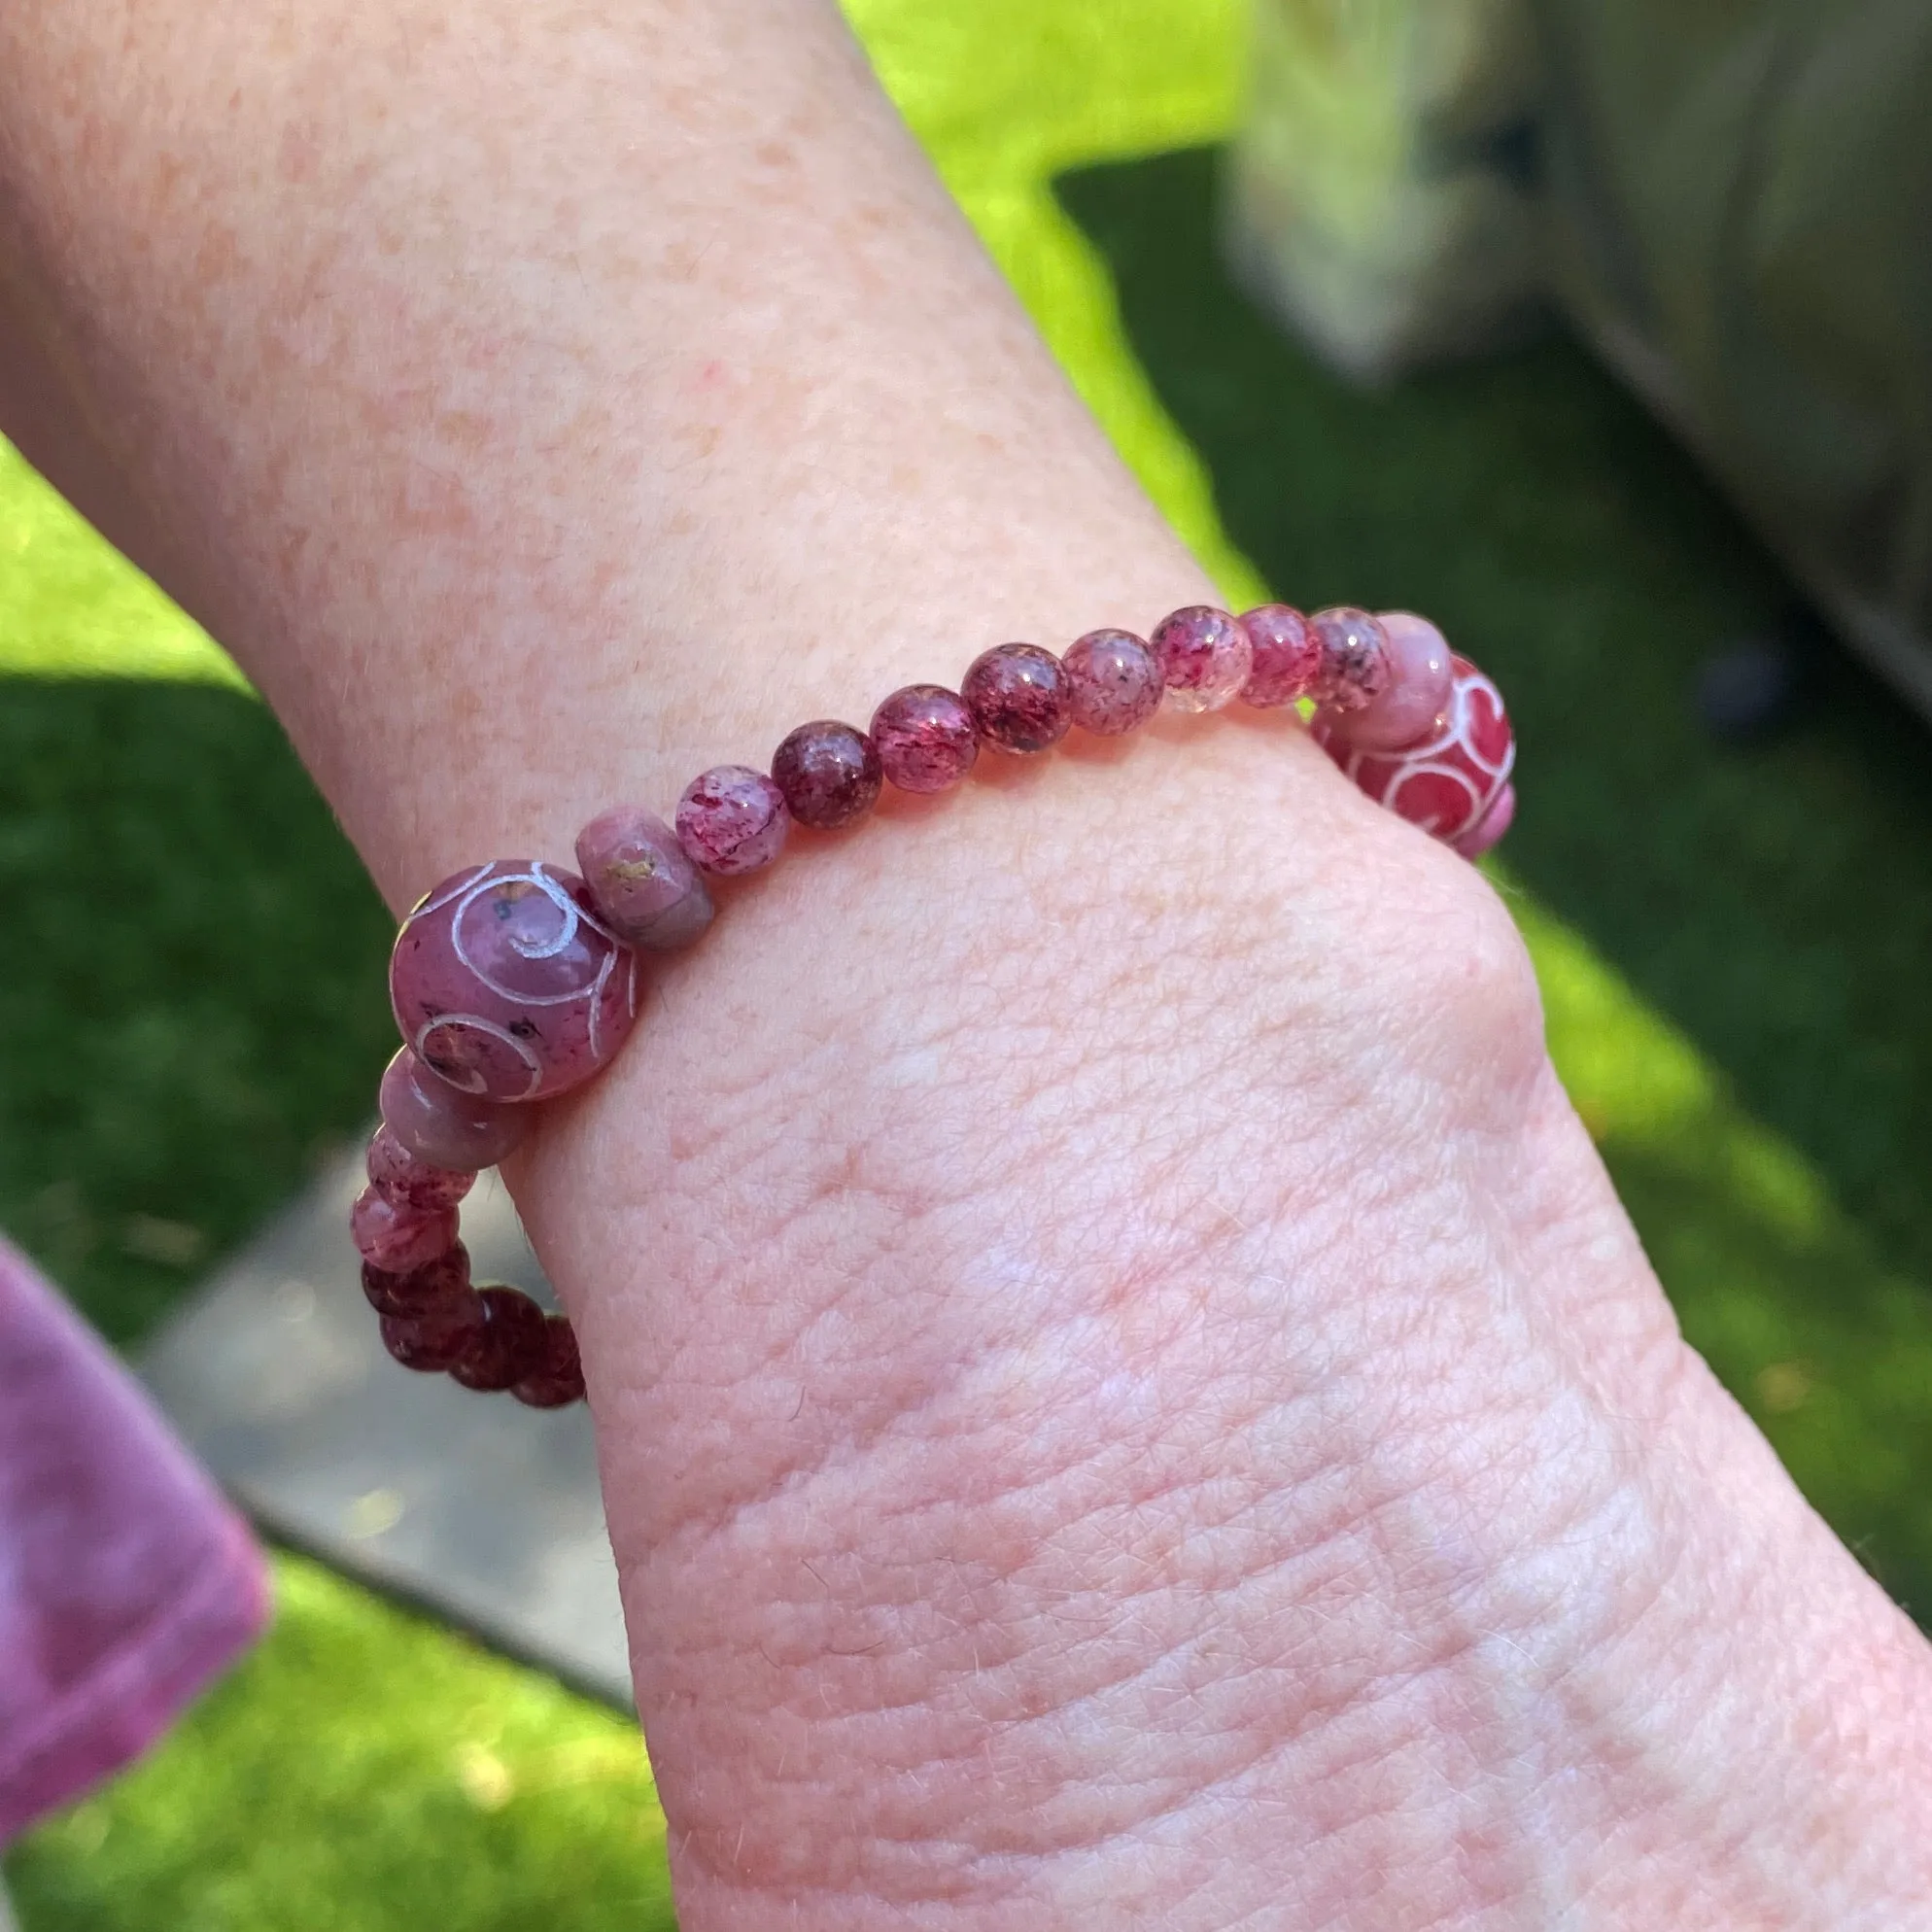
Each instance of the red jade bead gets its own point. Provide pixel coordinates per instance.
(829, 774)
(1018, 695)
(1449, 781)
(1355, 658)
(1417, 693)
(1205, 656)
(508, 986)
(396, 1172)
(510, 1345)
(642, 882)
(1113, 683)
(561, 1377)
(926, 738)
(1288, 656)
(441, 1126)
(399, 1238)
(732, 820)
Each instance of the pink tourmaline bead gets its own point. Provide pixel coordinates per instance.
(1355, 658)
(642, 883)
(1205, 656)
(423, 1291)
(1420, 679)
(732, 820)
(511, 1344)
(1449, 781)
(1288, 656)
(507, 984)
(926, 738)
(1018, 695)
(1113, 683)
(561, 1377)
(399, 1239)
(829, 772)
(441, 1126)
(412, 1183)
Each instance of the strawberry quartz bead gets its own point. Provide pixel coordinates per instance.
(398, 1238)
(1449, 781)
(1355, 658)
(1113, 683)
(829, 774)
(1018, 698)
(436, 1286)
(510, 1345)
(644, 887)
(561, 1377)
(1417, 694)
(1205, 658)
(435, 1338)
(732, 820)
(926, 738)
(507, 984)
(441, 1126)
(396, 1173)
(1288, 656)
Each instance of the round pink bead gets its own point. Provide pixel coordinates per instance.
(1113, 683)
(412, 1183)
(926, 738)
(644, 887)
(732, 820)
(1205, 658)
(1355, 658)
(1018, 695)
(829, 774)
(441, 1126)
(1420, 679)
(508, 986)
(1288, 656)
(399, 1239)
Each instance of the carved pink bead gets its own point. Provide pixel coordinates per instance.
(829, 772)
(1288, 656)
(412, 1183)
(926, 738)
(1018, 695)
(1113, 683)
(1205, 656)
(642, 883)
(508, 986)
(396, 1238)
(441, 1126)
(1449, 781)
(1417, 693)
(732, 820)
(1355, 658)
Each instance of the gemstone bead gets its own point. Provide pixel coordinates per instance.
(1448, 782)
(1113, 683)
(507, 984)
(1288, 656)
(1018, 695)
(644, 887)
(438, 1338)
(1355, 658)
(396, 1238)
(441, 1126)
(561, 1377)
(732, 820)
(829, 772)
(411, 1182)
(510, 1345)
(1417, 692)
(1493, 823)
(926, 738)
(1205, 658)
(423, 1291)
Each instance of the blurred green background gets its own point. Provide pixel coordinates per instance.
(1727, 943)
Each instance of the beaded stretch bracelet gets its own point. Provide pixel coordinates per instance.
(517, 981)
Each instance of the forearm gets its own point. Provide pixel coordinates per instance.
(1121, 1388)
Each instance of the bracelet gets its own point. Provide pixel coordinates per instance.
(516, 980)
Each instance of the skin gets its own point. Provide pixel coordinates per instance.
(1125, 1395)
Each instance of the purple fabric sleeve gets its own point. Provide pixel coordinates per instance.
(125, 1581)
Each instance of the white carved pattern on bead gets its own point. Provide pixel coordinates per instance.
(572, 913)
(475, 1021)
(1430, 758)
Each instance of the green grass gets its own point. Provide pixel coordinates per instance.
(1730, 946)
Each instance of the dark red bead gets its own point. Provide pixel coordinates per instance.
(509, 1346)
(438, 1338)
(926, 738)
(829, 774)
(560, 1378)
(1018, 698)
(422, 1290)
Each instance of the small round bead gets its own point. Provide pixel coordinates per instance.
(1493, 823)
(1113, 683)
(829, 772)
(732, 820)
(441, 1126)
(1288, 656)
(642, 883)
(424, 1290)
(507, 984)
(1355, 658)
(510, 1345)
(396, 1238)
(396, 1172)
(560, 1378)
(1420, 679)
(1018, 695)
(1205, 658)
(438, 1338)
(926, 738)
